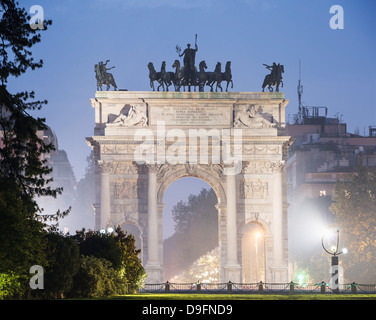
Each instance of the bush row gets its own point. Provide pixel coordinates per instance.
(87, 265)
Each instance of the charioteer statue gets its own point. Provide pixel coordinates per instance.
(189, 60)
(189, 75)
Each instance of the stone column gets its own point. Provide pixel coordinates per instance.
(160, 207)
(232, 267)
(153, 268)
(279, 268)
(105, 211)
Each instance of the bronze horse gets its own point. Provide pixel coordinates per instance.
(155, 76)
(210, 78)
(201, 79)
(178, 75)
(166, 77)
(104, 79)
(227, 76)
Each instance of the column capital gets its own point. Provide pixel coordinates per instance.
(104, 166)
(278, 166)
(152, 168)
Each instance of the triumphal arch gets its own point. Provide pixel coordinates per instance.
(236, 141)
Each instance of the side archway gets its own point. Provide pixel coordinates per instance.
(132, 226)
(254, 237)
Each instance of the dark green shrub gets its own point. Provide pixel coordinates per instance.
(95, 278)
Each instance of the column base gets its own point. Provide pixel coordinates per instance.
(154, 273)
(232, 272)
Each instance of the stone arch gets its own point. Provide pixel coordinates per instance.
(132, 221)
(258, 187)
(262, 223)
(138, 237)
(129, 220)
(197, 171)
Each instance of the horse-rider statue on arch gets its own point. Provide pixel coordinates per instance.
(274, 79)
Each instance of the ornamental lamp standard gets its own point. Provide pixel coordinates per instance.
(334, 252)
(257, 235)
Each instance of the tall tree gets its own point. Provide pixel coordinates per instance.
(354, 207)
(22, 150)
(23, 166)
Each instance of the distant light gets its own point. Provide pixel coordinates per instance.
(102, 231)
(258, 234)
(333, 248)
(300, 278)
(110, 230)
(344, 250)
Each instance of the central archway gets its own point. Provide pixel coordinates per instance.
(213, 176)
(190, 231)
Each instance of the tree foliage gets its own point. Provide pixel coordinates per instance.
(196, 230)
(23, 166)
(355, 210)
(63, 258)
(21, 238)
(205, 269)
(97, 278)
(25, 237)
(10, 285)
(22, 152)
(118, 248)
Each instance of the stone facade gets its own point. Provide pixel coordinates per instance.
(180, 134)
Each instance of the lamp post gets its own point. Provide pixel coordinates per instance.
(334, 252)
(257, 236)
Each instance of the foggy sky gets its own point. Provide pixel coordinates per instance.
(338, 69)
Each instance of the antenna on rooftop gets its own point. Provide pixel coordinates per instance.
(300, 92)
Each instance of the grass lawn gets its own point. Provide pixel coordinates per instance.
(152, 296)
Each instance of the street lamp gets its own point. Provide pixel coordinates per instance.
(257, 236)
(334, 252)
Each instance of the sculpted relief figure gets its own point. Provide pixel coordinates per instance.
(125, 189)
(250, 118)
(135, 117)
(254, 189)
